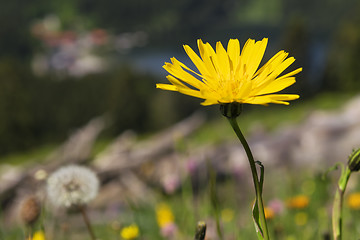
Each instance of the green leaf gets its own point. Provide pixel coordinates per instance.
(333, 168)
(256, 219)
(255, 208)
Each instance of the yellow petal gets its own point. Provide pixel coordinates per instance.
(257, 54)
(166, 87)
(277, 85)
(245, 55)
(272, 63)
(175, 81)
(285, 97)
(278, 69)
(281, 67)
(261, 100)
(233, 50)
(291, 73)
(206, 52)
(190, 92)
(184, 76)
(223, 61)
(196, 60)
(208, 102)
(244, 90)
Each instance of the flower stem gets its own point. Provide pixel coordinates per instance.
(214, 200)
(200, 231)
(258, 191)
(338, 204)
(29, 232)
(87, 222)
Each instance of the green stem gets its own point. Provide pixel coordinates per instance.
(338, 204)
(214, 200)
(29, 232)
(258, 192)
(87, 222)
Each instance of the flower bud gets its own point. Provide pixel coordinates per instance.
(231, 110)
(200, 231)
(30, 210)
(354, 160)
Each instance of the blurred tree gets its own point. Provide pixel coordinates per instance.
(15, 19)
(343, 69)
(35, 109)
(15, 106)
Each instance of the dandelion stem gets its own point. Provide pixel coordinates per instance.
(29, 232)
(338, 204)
(87, 222)
(258, 192)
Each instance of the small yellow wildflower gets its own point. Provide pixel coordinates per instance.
(353, 200)
(301, 218)
(39, 235)
(227, 215)
(228, 76)
(298, 202)
(164, 215)
(130, 232)
(269, 213)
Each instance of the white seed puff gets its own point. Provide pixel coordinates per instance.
(72, 186)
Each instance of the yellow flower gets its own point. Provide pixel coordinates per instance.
(269, 213)
(301, 219)
(164, 215)
(298, 202)
(228, 76)
(227, 215)
(130, 232)
(39, 235)
(354, 200)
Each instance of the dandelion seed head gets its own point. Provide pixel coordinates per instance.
(72, 186)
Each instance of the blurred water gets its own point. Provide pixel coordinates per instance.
(151, 61)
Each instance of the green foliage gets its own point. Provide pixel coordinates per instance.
(310, 222)
(343, 63)
(44, 110)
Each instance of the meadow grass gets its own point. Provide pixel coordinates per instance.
(310, 221)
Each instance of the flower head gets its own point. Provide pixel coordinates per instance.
(39, 235)
(298, 202)
(164, 215)
(277, 206)
(227, 215)
(165, 220)
(301, 218)
(130, 232)
(228, 76)
(354, 160)
(269, 213)
(354, 200)
(72, 186)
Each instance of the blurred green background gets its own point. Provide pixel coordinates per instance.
(64, 62)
